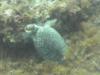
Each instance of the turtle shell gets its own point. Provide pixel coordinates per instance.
(49, 43)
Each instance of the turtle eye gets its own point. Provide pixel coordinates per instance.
(29, 28)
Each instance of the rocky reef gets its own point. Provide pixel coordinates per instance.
(77, 21)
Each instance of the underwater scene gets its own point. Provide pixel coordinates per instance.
(49, 37)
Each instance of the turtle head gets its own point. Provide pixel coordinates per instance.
(30, 31)
(31, 28)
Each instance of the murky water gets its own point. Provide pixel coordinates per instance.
(49, 37)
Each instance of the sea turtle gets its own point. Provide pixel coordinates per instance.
(48, 42)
